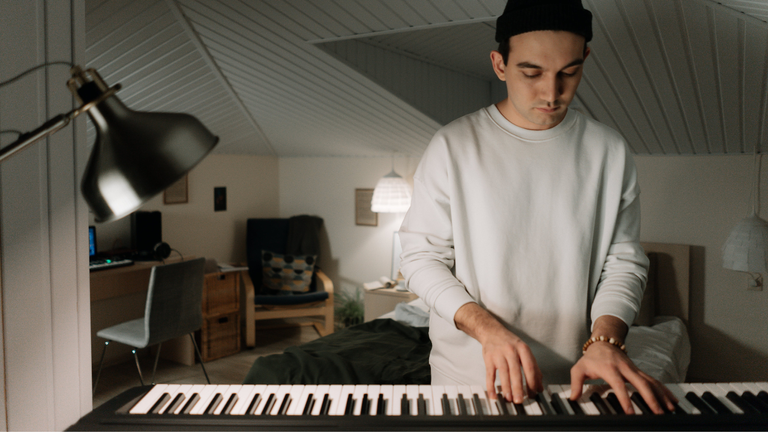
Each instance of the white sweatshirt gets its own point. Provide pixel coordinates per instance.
(537, 227)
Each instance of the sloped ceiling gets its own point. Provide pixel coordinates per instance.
(379, 77)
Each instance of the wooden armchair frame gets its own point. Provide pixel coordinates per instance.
(321, 311)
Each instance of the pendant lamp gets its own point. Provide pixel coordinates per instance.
(746, 249)
(136, 154)
(392, 194)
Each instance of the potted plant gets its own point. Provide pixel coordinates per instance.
(348, 309)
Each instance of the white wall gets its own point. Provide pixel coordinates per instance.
(697, 201)
(325, 187)
(45, 349)
(195, 228)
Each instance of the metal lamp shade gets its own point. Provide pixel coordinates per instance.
(137, 154)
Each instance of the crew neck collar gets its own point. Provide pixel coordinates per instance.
(527, 134)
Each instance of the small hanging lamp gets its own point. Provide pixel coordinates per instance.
(392, 194)
(746, 249)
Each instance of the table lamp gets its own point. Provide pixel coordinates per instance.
(136, 154)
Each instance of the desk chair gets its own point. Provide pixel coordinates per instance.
(174, 308)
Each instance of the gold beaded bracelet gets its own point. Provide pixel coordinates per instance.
(611, 341)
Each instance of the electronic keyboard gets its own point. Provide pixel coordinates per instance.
(704, 406)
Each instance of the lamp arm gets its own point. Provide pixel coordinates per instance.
(48, 128)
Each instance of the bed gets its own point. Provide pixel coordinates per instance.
(394, 349)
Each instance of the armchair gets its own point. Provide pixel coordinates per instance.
(289, 236)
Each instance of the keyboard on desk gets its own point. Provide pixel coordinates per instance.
(397, 407)
(103, 264)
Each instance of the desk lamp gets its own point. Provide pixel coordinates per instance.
(136, 154)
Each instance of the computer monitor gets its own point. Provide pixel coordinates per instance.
(91, 241)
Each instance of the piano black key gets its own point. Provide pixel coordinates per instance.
(230, 404)
(478, 405)
(214, 403)
(381, 408)
(741, 403)
(349, 409)
(190, 403)
(520, 409)
(254, 403)
(763, 396)
(405, 406)
(325, 406)
(500, 401)
(284, 405)
(462, 405)
(557, 405)
(546, 408)
(640, 402)
(175, 403)
(160, 403)
(696, 401)
(365, 406)
(755, 402)
(600, 404)
(715, 403)
(421, 406)
(308, 406)
(268, 405)
(575, 407)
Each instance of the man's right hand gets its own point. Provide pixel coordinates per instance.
(504, 354)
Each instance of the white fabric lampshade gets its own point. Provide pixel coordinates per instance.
(391, 195)
(747, 246)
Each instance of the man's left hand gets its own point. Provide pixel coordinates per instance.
(603, 360)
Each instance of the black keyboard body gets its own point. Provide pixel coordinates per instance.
(113, 415)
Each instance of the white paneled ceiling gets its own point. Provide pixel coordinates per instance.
(377, 77)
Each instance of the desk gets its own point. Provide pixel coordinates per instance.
(119, 295)
(383, 300)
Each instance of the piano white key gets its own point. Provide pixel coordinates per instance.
(295, 396)
(397, 395)
(466, 392)
(387, 394)
(172, 390)
(453, 394)
(720, 393)
(302, 394)
(373, 398)
(532, 407)
(339, 407)
(412, 393)
(282, 392)
(585, 403)
(322, 391)
(357, 397)
(437, 400)
(233, 389)
(682, 402)
(149, 399)
(484, 407)
(563, 394)
(261, 407)
(426, 392)
(753, 387)
(206, 395)
(244, 398)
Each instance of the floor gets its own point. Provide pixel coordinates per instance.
(228, 370)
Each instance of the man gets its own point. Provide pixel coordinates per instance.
(522, 236)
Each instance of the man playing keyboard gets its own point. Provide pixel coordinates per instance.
(523, 232)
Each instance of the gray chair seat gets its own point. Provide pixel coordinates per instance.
(129, 333)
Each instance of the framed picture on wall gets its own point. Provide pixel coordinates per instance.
(177, 193)
(219, 199)
(363, 213)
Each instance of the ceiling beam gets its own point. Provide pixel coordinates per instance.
(404, 30)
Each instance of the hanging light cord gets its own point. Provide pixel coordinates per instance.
(30, 70)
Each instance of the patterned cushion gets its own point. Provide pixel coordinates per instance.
(286, 274)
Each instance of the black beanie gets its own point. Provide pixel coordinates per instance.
(522, 16)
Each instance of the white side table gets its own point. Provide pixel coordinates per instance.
(380, 301)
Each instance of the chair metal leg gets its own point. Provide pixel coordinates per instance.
(192, 336)
(157, 357)
(101, 363)
(137, 366)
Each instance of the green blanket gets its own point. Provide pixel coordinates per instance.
(381, 351)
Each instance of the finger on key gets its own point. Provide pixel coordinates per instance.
(533, 377)
(620, 390)
(490, 378)
(645, 388)
(516, 376)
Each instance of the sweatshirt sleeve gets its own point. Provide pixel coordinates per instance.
(624, 273)
(426, 236)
